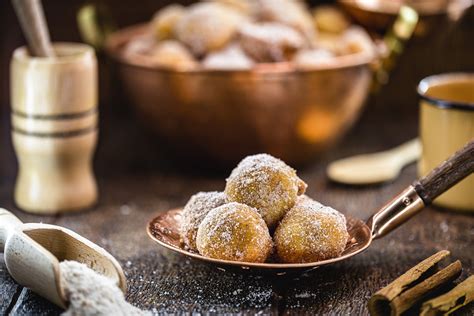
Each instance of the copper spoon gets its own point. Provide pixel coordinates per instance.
(32, 253)
(164, 229)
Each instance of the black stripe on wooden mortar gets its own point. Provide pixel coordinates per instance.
(67, 134)
(53, 117)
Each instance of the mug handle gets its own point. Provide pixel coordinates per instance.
(423, 191)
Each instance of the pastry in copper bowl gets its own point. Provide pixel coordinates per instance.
(248, 77)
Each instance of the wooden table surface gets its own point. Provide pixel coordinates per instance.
(137, 181)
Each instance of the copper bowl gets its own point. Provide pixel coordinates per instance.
(226, 115)
(380, 14)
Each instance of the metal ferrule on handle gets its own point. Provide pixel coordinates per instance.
(423, 191)
(399, 210)
(8, 221)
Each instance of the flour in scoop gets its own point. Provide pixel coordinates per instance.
(90, 293)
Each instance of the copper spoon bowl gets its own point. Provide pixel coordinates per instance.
(164, 228)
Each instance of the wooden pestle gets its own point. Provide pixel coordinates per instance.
(31, 16)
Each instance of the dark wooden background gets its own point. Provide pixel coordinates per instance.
(137, 179)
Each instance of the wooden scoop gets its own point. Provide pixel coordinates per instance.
(33, 252)
(374, 168)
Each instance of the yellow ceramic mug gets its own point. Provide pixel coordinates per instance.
(446, 124)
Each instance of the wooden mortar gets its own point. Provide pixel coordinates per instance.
(54, 128)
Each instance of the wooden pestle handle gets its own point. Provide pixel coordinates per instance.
(7, 222)
(440, 179)
(32, 21)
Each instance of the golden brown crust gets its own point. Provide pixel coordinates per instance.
(234, 232)
(265, 183)
(310, 232)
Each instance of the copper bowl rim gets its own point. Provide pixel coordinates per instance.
(265, 265)
(117, 39)
(378, 8)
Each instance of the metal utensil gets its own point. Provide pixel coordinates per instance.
(374, 168)
(164, 229)
(33, 252)
(31, 16)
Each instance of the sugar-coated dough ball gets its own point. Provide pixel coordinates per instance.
(207, 26)
(165, 20)
(313, 58)
(267, 184)
(173, 55)
(169, 54)
(357, 40)
(330, 19)
(310, 232)
(139, 45)
(331, 42)
(270, 42)
(246, 7)
(194, 212)
(293, 13)
(234, 232)
(229, 58)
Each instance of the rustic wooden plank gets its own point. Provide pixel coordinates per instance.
(9, 289)
(29, 303)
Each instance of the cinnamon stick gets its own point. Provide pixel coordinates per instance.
(414, 285)
(445, 304)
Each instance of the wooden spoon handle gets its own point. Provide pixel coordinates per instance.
(440, 179)
(408, 152)
(32, 21)
(7, 222)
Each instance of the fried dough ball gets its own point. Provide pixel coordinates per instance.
(312, 58)
(207, 26)
(330, 42)
(310, 232)
(270, 42)
(229, 58)
(235, 232)
(289, 12)
(330, 19)
(171, 54)
(139, 45)
(357, 40)
(165, 20)
(194, 212)
(246, 7)
(267, 184)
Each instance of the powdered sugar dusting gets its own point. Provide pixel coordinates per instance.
(90, 293)
(311, 232)
(232, 57)
(270, 41)
(292, 13)
(198, 206)
(313, 57)
(234, 231)
(207, 26)
(266, 183)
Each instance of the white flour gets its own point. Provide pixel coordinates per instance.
(90, 293)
